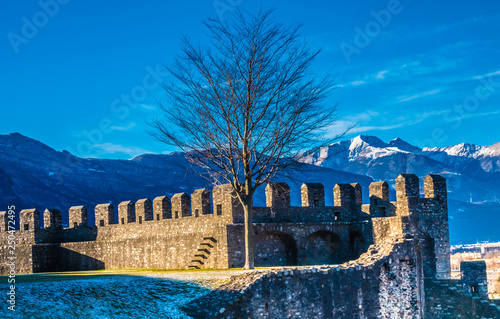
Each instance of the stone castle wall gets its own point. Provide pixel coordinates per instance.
(450, 299)
(384, 282)
(198, 231)
(375, 256)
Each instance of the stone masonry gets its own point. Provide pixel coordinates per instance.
(351, 260)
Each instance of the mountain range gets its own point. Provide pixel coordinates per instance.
(472, 171)
(33, 175)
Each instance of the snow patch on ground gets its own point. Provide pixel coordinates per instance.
(117, 296)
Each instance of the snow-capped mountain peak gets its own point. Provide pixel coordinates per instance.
(403, 145)
(464, 164)
(467, 150)
(463, 150)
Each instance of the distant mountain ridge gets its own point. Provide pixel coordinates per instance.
(471, 170)
(33, 175)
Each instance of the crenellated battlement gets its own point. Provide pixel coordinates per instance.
(278, 195)
(205, 228)
(104, 215)
(29, 220)
(181, 203)
(52, 219)
(348, 205)
(312, 195)
(126, 212)
(77, 216)
(143, 210)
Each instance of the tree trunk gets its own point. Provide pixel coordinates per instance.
(249, 249)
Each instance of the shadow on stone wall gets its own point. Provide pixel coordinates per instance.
(70, 260)
(274, 248)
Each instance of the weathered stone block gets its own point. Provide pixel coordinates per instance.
(407, 185)
(77, 216)
(358, 194)
(162, 208)
(474, 277)
(380, 191)
(181, 205)
(52, 219)
(200, 202)
(4, 221)
(226, 203)
(126, 212)
(104, 215)
(277, 195)
(143, 210)
(343, 196)
(435, 187)
(312, 195)
(29, 220)
(379, 199)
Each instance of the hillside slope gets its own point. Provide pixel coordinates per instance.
(33, 175)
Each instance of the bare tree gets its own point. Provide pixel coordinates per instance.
(246, 106)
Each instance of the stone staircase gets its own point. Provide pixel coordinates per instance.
(203, 252)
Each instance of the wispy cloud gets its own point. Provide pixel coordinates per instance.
(128, 127)
(110, 148)
(148, 107)
(381, 75)
(367, 121)
(356, 83)
(478, 77)
(476, 115)
(406, 98)
(360, 129)
(350, 121)
(433, 65)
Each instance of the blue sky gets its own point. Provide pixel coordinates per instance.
(84, 75)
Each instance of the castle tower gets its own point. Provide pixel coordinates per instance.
(433, 224)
